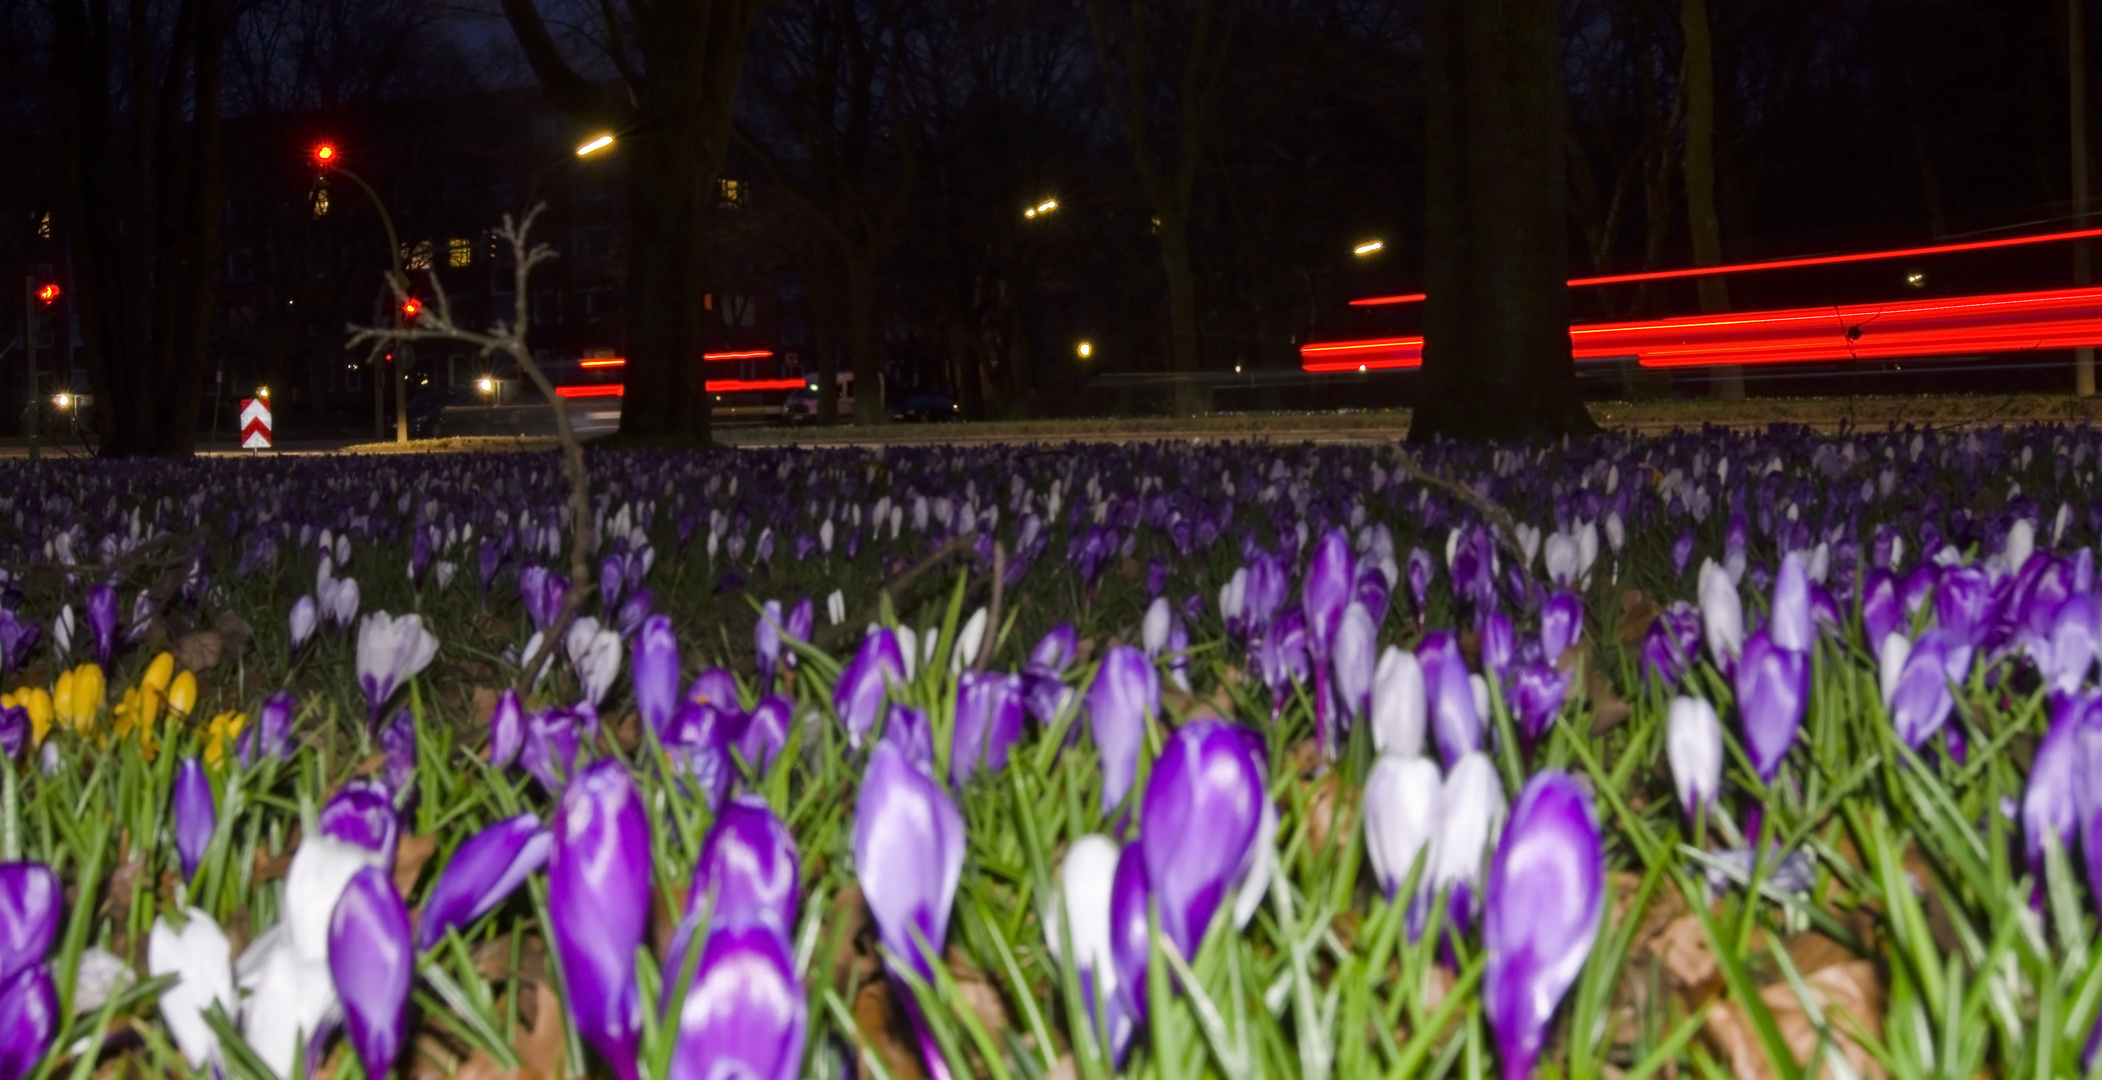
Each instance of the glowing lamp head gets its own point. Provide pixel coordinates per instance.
(411, 308)
(1369, 247)
(47, 294)
(62, 400)
(1915, 278)
(1086, 349)
(325, 154)
(485, 384)
(595, 145)
(263, 392)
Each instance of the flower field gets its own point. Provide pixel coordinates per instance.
(1708, 754)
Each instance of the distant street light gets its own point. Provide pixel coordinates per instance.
(62, 400)
(263, 392)
(1367, 248)
(595, 145)
(485, 384)
(1044, 207)
(1086, 350)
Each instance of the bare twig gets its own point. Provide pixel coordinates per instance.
(436, 324)
(1506, 525)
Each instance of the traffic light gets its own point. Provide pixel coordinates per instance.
(47, 295)
(325, 154)
(411, 308)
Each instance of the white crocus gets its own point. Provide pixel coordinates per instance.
(1153, 630)
(1399, 708)
(1890, 662)
(1471, 809)
(969, 639)
(391, 651)
(202, 961)
(1401, 817)
(1086, 881)
(836, 607)
(1256, 869)
(1693, 743)
(908, 650)
(599, 664)
(1722, 613)
(289, 998)
(101, 975)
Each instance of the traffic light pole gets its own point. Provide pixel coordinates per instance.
(394, 276)
(29, 332)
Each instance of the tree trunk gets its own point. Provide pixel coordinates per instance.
(1497, 357)
(665, 396)
(1190, 396)
(824, 334)
(1699, 167)
(145, 195)
(863, 286)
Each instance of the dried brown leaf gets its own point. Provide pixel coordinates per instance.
(233, 631)
(199, 651)
(411, 854)
(540, 1047)
(886, 1033)
(1847, 994)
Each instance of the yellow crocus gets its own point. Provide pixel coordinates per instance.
(38, 701)
(79, 697)
(182, 694)
(159, 673)
(220, 733)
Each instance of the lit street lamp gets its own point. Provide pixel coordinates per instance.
(1045, 207)
(1369, 247)
(595, 145)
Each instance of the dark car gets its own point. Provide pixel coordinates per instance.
(920, 407)
(426, 411)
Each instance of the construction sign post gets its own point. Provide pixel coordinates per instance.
(255, 424)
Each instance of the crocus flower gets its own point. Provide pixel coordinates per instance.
(1130, 936)
(908, 853)
(2064, 657)
(1917, 692)
(1281, 656)
(745, 1014)
(372, 965)
(1330, 580)
(102, 622)
(1693, 745)
(196, 814)
(1545, 892)
(1401, 813)
(714, 686)
(912, 733)
(391, 651)
(1454, 719)
(543, 593)
(595, 652)
(1960, 603)
(1086, 882)
(1126, 692)
(17, 637)
(598, 898)
(29, 907)
(362, 813)
(1881, 612)
(1470, 818)
(1354, 660)
(29, 1020)
(1055, 650)
(398, 742)
(271, 735)
(1773, 689)
(1398, 704)
(507, 729)
(988, 721)
(1671, 644)
(1199, 824)
(1722, 614)
(654, 670)
(767, 638)
(748, 871)
(553, 740)
(305, 615)
(17, 730)
(858, 696)
(1790, 623)
(202, 961)
(1561, 624)
(1153, 629)
(765, 731)
(1536, 693)
(697, 742)
(484, 871)
(1498, 641)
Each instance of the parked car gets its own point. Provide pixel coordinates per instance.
(925, 407)
(801, 406)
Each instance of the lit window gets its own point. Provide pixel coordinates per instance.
(417, 256)
(43, 226)
(459, 252)
(733, 191)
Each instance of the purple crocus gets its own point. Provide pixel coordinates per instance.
(196, 815)
(908, 853)
(765, 731)
(988, 721)
(1421, 567)
(481, 874)
(15, 729)
(271, 735)
(1499, 643)
(1198, 826)
(1882, 613)
(697, 743)
(1773, 689)
(1790, 624)
(2065, 655)
(1561, 624)
(1917, 686)
(911, 731)
(398, 742)
(654, 667)
(598, 899)
(553, 739)
(507, 729)
(1354, 660)
(2050, 803)
(1960, 603)
(372, 965)
(102, 623)
(391, 651)
(17, 637)
(1126, 692)
(1545, 891)
(1671, 644)
(1326, 591)
(1130, 941)
(1536, 692)
(543, 592)
(362, 813)
(29, 906)
(748, 871)
(745, 1014)
(29, 1019)
(858, 696)
(767, 638)
(1455, 723)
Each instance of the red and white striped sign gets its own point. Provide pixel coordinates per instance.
(255, 424)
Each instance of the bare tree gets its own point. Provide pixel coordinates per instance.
(138, 89)
(1166, 105)
(678, 63)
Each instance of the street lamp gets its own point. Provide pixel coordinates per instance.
(327, 156)
(595, 145)
(62, 400)
(1086, 349)
(1045, 207)
(1369, 247)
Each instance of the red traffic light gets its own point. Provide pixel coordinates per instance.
(411, 308)
(48, 294)
(325, 153)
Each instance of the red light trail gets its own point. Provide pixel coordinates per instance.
(1945, 326)
(714, 386)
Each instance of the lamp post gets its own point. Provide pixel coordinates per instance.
(328, 157)
(33, 297)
